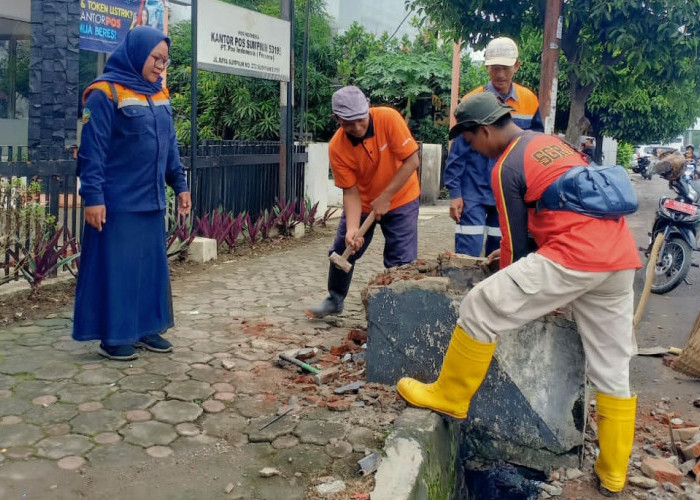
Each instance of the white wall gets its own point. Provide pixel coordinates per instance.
(431, 160)
(20, 10)
(609, 151)
(316, 175)
(14, 132)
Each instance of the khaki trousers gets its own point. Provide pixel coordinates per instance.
(602, 305)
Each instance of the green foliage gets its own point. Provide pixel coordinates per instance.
(22, 216)
(44, 255)
(622, 60)
(412, 76)
(20, 75)
(625, 151)
(235, 107)
(409, 76)
(30, 242)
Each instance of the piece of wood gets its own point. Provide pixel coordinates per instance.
(341, 261)
(648, 281)
(657, 351)
(360, 233)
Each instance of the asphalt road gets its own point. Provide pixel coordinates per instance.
(667, 319)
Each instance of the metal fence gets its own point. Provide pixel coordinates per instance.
(237, 176)
(241, 176)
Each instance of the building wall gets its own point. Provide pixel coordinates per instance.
(376, 16)
(19, 10)
(54, 71)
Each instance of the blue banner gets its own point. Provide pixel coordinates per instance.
(105, 23)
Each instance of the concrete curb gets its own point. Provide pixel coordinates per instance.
(420, 458)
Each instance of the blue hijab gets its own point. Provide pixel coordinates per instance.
(125, 64)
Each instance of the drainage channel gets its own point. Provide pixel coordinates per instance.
(527, 419)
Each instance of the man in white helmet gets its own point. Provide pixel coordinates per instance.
(467, 173)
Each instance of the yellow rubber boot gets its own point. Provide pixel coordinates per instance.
(465, 365)
(616, 418)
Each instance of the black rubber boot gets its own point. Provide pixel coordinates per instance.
(338, 286)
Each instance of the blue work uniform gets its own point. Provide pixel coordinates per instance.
(468, 175)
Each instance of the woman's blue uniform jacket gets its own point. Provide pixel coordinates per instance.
(128, 150)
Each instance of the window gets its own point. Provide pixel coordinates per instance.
(14, 78)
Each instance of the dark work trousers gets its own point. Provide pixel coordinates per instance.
(400, 229)
(477, 220)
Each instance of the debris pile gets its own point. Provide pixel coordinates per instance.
(336, 379)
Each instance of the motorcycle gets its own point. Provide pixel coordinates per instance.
(678, 219)
(645, 167)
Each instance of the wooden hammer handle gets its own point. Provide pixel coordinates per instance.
(361, 232)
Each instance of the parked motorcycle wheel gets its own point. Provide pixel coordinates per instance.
(673, 266)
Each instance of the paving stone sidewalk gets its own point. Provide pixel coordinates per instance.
(195, 423)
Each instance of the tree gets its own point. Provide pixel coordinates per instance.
(602, 40)
(235, 107)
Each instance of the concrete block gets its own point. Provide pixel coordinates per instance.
(691, 451)
(420, 458)
(202, 250)
(298, 231)
(684, 434)
(463, 271)
(530, 409)
(316, 175)
(430, 168)
(661, 470)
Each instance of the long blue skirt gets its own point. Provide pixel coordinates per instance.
(123, 291)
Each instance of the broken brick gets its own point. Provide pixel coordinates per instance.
(669, 359)
(329, 358)
(313, 399)
(696, 471)
(326, 375)
(340, 350)
(684, 434)
(661, 470)
(691, 451)
(340, 405)
(358, 336)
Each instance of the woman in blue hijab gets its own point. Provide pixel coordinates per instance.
(128, 153)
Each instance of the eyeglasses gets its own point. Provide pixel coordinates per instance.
(161, 63)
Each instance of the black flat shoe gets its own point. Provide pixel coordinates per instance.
(154, 343)
(117, 352)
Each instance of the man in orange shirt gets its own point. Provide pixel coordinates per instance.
(580, 260)
(374, 159)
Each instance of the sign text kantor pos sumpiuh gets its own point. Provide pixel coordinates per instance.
(235, 40)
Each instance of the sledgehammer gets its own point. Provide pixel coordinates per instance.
(341, 261)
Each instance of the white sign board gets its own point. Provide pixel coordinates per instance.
(232, 39)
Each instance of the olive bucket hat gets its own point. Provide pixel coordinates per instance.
(478, 109)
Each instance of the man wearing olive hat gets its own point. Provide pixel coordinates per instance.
(580, 260)
(374, 159)
(467, 173)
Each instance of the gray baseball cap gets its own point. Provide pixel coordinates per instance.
(349, 103)
(478, 109)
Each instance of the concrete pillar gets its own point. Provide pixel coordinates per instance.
(53, 73)
(431, 164)
(530, 410)
(316, 175)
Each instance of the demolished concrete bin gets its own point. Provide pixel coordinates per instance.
(530, 409)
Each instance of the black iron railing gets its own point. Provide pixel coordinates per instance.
(241, 176)
(237, 176)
